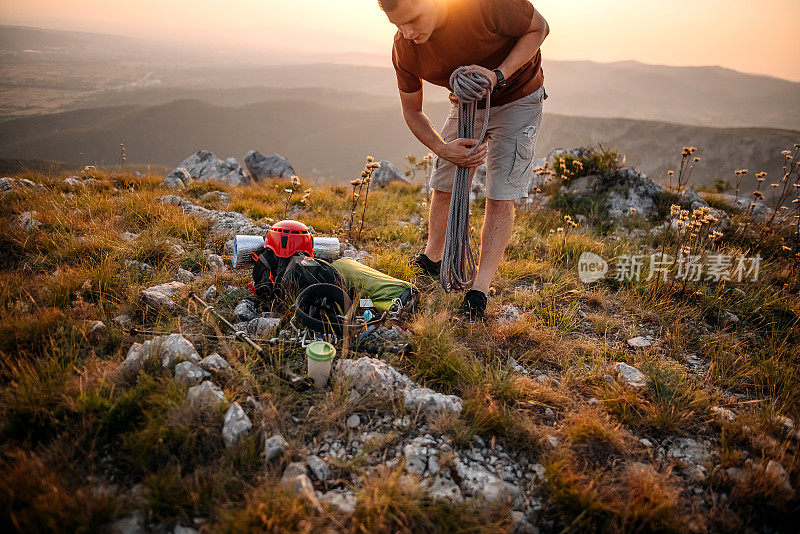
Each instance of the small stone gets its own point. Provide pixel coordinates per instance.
(723, 413)
(274, 447)
(552, 441)
(179, 529)
(184, 276)
(215, 363)
(344, 501)
(509, 314)
(139, 267)
(264, 327)
(235, 426)
(318, 467)
(296, 481)
(160, 296)
(646, 443)
(129, 236)
(631, 375)
(353, 421)
(776, 471)
(123, 320)
(97, 328)
(206, 394)
(445, 489)
(433, 465)
(189, 374)
(210, 293)
(245, 310)
(216, 263)
(27, 221)
(639, 342)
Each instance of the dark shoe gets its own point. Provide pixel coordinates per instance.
(474, 306)
(429, 267)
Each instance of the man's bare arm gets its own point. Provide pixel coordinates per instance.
(422, 128)
(527, 45)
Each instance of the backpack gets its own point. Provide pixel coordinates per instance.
(281, 279)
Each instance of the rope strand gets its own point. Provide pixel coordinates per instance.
(458, 269)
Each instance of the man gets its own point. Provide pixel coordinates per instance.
(501, 38)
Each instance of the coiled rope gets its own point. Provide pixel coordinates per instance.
(458, 269)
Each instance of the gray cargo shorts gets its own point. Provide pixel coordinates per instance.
(512, 132)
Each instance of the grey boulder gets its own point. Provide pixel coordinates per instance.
(261, 167)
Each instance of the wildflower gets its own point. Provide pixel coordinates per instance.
(671, 173)
(674, 210)
(633, 210)
(355, 182)
(788, 249)
(696, 160)
(773, 185)
(370, 159)
(758, 195)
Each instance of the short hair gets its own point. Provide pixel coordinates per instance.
(388, 5)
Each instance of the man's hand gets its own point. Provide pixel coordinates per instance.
(492, 76)
(456, 152)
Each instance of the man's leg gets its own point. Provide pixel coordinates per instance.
(437, 221)
(497, 226)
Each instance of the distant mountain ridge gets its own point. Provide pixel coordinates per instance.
(102, 70)
(330, 142)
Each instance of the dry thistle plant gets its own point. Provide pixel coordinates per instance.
(358, 187)
(122, 156)
(688, 161)
(289, 192)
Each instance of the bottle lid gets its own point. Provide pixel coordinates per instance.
(321, 351)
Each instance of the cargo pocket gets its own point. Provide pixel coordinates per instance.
(523, 157)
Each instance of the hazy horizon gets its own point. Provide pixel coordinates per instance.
(688, 34)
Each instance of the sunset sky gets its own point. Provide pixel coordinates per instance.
(756, 37)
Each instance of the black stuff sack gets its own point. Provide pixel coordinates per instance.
(281, 279)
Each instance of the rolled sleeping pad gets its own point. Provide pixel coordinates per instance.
(381, 288)
(327, 248)
(243, 245)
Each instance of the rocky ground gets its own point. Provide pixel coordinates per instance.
(610, 406)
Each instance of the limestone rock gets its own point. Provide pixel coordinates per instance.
(184, 276)
(216, 263)
(261, 168)
(386, 174)
(206, 394)
(214, 363)
(177, 179)
(205, 166)
(508, 315)
(263, 327)
(639, 342)
(318, 467)
(296, 481)
(27, 221)
(373, 375)
(160, 296)
(631, 375)
(210, 293)
(235, 426)
(189, 374)
(444, 489)
(225, 223)
(245, 310)
(342, 500)
(274, 447)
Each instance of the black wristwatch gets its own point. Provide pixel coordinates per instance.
(501, 80)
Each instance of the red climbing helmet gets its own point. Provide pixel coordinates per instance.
(285, 238)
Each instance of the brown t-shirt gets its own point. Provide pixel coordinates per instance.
(480, 32)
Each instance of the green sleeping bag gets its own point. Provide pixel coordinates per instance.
(381, 288)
